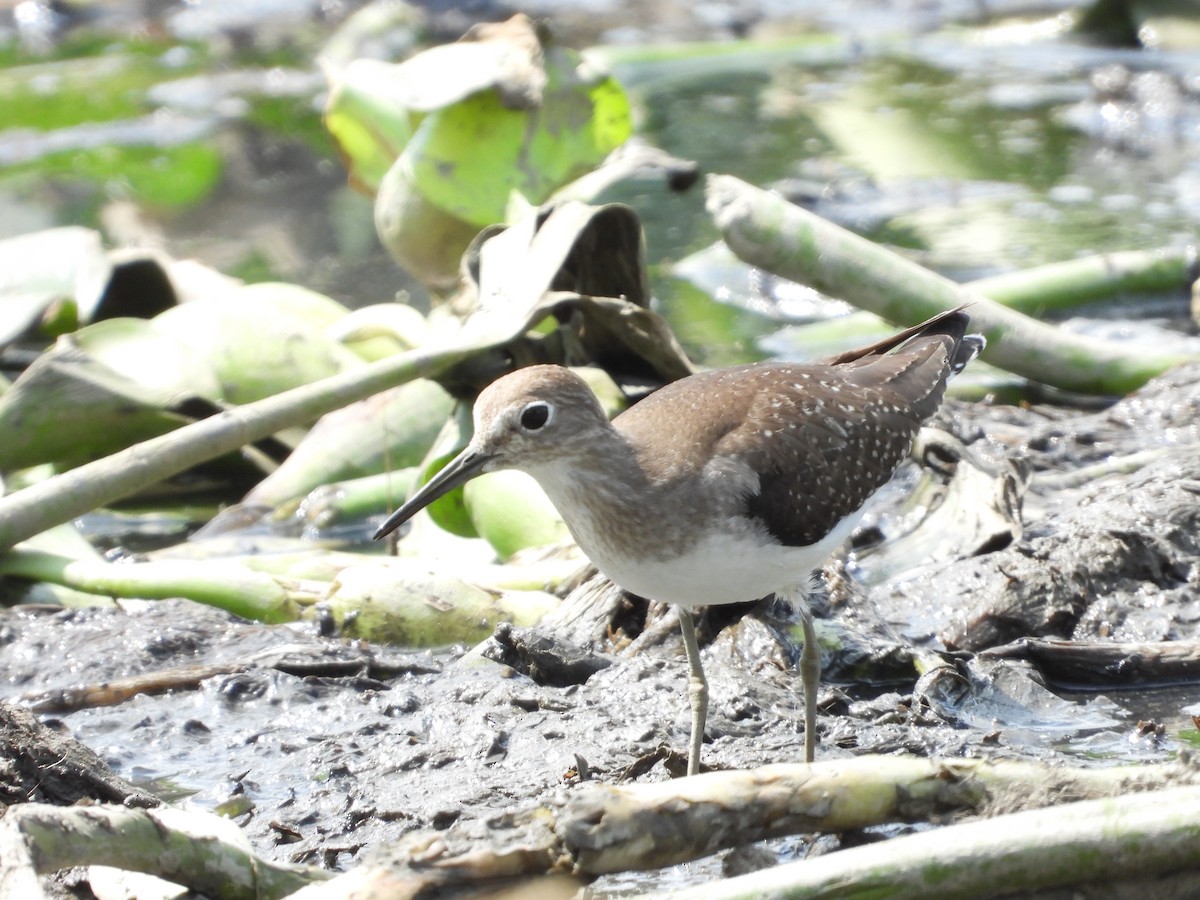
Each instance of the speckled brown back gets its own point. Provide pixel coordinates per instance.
(822, 437)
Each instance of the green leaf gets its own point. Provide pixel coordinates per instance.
(469, 158)
(368, 116)
(97, 391)
(449, 139)
(511, 512)
(388, 431)
(263, 339)
(47, 276)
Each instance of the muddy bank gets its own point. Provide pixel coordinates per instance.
(331, 748)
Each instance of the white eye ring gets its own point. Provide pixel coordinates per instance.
(536, 416)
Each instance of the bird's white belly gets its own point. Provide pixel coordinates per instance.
(732, 567)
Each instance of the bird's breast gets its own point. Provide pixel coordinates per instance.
(684, 541)
(729, 565)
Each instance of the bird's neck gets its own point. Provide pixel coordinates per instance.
(609, 501)
(602, 474)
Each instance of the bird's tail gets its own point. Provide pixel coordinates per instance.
(952, 323)
(969, 347)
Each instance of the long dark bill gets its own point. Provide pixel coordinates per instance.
(454, 474)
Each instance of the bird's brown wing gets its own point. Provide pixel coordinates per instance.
(856, 423)
(821, 437)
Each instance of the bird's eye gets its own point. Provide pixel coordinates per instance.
(536, 416)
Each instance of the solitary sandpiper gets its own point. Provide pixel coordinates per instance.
(723, 487)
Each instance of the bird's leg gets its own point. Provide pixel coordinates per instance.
(697, 688)
(810, 677)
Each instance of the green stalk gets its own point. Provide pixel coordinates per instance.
(765, 230)
(189, 847)
(1035, 292)
(225, 585)
(81, 490)
(346, 501)
(1136, 838)
(1067, 284)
